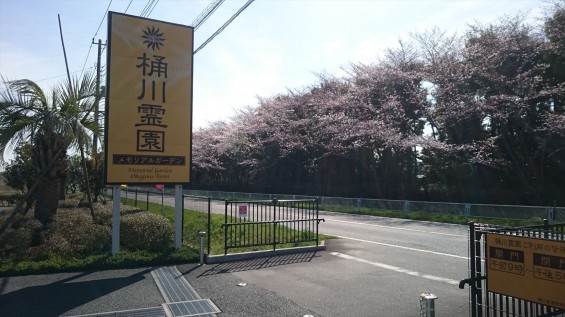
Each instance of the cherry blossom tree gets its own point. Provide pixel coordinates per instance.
(478, 117)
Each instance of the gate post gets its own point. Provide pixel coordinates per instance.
(473, 267)
(274, 202)
(209, 220)
(467, 212)
(225, 228)
(317, 221)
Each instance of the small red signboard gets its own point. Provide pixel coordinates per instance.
(242, 209)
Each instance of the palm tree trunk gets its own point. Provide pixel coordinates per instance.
(87, 181)
(47, 200)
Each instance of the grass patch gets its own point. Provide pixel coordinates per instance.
(195, 221)
(424, 216)
(57, 263)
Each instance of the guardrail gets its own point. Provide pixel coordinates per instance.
(486, 211)
(515, 212)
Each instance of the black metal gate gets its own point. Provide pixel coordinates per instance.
(250, 224)
(483, 302)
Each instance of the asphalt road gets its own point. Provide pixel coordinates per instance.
(377, 267)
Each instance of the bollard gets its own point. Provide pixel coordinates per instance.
(427, 305)
(201, 234)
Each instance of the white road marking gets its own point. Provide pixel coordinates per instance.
(397, 269)
(397, 228)
(403, 247)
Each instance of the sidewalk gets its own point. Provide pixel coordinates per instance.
(68, 294)
(145, 292)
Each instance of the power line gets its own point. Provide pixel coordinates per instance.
(223, 26)
(151, 4)
(130, 1)
(86, 60)
(145, 8)
(148, 14)
(206, 13)
(53, 77)
(96, 33)
(104, 17)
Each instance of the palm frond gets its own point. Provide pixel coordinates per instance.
(65, 119)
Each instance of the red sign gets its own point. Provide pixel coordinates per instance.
(242, 210)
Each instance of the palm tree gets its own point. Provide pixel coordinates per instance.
(53, 124)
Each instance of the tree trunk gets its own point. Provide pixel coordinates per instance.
(63, 174)
(47, 200)
(87, 182)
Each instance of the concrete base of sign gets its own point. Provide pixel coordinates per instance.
(216, 259)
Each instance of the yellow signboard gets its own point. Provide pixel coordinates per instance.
(527, 268)
(148, 101)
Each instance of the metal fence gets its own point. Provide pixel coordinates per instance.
(201, 204)
(516, 212)
(264, 223)
(270, 223)
(483, 300)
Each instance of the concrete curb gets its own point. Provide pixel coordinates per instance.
(217, 259)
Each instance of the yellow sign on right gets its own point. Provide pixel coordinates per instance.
(527, 268)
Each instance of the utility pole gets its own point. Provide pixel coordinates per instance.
(96, 113)
(98, 97)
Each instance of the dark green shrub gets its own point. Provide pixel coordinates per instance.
(146, 231)
(74, 231)
(18, 238)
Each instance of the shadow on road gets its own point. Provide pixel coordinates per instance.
(260, 263)
(57, 298)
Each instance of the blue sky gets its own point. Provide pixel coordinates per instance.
(272, 46)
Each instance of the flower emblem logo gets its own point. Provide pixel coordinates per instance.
(153, 38)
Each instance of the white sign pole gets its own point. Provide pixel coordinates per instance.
(178, 216)
(117, 193)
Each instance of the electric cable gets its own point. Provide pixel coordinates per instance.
(96, 33)
(126, 10)
(148, 6)
(206, 13)
(148, 14)
(223, 26)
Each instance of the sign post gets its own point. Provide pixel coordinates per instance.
(148, 122)
(178, 216)
(116, 200)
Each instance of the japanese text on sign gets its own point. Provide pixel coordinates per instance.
(148, 121)
(514, 261)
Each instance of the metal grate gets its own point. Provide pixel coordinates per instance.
(202, 307)
(173, 285)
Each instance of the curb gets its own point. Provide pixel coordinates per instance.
(217, 259)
